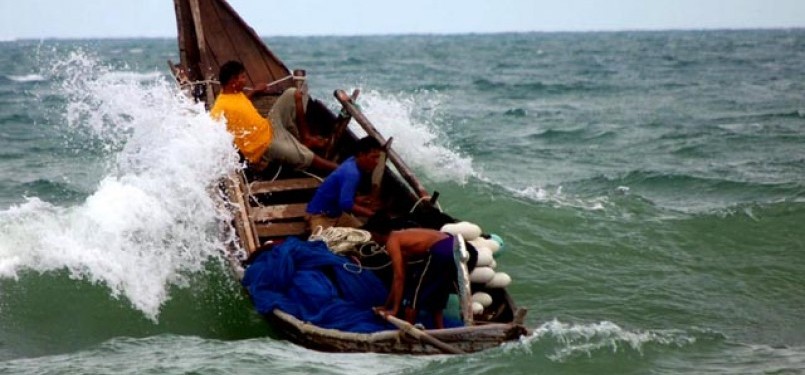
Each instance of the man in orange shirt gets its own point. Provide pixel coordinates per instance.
(257, 139)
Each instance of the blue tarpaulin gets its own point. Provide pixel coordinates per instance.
(306, 280)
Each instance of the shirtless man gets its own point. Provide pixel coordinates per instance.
(425, 285)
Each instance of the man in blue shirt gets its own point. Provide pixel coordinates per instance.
(335, 200)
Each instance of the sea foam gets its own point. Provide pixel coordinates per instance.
(152, 219)
(573, 340)
(417, 138)
(27, 78)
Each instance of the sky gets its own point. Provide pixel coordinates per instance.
(68, 19)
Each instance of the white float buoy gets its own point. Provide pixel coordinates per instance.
(482, 275)
(499, 280)
(483, 298)
(468, 230)
(478, 242)
(499, 242)
(477, 308)
(492, 245)
(485, 257)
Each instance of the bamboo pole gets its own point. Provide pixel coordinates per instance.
(370, 129)
(195, 10)
(380, 169)
(418, 333)
(338, 130)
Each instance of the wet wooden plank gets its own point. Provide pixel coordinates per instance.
(279, 211)
(281, 229)
(243, 222)
(264, 187)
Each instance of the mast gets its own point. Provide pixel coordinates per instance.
(211, 33)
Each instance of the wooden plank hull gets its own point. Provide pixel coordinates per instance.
(468, 339)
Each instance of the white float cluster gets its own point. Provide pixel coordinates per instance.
(484, 272)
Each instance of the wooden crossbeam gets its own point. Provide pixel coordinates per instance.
(281, 229)
(278, 212)
(264, 187)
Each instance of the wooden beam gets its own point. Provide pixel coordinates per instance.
(265, 187)
(380, 170)
(280, 211)
(370, 129)
(340, 127)
(243, 222)
(202, 50)
(418, 333)
(281, 229)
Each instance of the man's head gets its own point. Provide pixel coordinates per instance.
(380, 226)
(232, 74)
(367, 153)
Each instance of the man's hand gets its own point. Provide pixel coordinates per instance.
(368, 202)
(382, 311)
(261, 87)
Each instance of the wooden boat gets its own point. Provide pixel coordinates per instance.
(265, 209)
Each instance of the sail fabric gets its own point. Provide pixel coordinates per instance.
(306, 280)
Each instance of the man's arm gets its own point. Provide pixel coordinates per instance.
(347, 199)
(301, 120)
(258, 88)
(398, 267)
(399, 245)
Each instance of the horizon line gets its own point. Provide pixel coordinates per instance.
(580, 31)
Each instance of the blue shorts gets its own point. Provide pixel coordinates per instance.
(430, 282)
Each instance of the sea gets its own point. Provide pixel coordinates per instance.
(649, 187)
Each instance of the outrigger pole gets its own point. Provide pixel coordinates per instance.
(370, 129)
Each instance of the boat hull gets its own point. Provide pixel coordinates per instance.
(468, 339)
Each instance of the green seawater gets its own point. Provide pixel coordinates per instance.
(649, 186)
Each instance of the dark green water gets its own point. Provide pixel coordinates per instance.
(650, 187)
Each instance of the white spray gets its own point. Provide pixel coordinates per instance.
(152, 220)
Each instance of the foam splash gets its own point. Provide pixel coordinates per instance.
(573, 340)
(413, 122)
(559, 198)
(151, 221)
(416, 138)
(27, 78)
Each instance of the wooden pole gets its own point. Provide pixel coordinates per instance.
(370, 129)
(340, 127)
(249, 235)
(195, 10)
(418, 333)
(380, 169)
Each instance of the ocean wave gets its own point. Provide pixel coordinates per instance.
(694, 183)
(412, 120)
(693, 193)
(440, 86)
(151, 221)
(52, 191)
(568, 344)
(528, 89)
(11, 124)
(560, 199)
(570, 134)
(27, 78)
(129, 76)
(651, 192)
(562, 342)
(177, 354)
(516, 112)
(743, 359)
